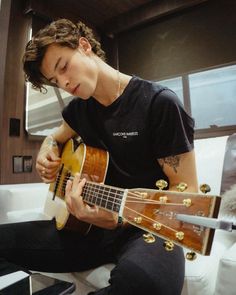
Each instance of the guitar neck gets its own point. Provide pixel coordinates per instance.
(103, 196)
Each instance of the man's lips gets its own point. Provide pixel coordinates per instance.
(75, 89)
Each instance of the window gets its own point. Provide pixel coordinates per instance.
(213, 97)
(174, 84)
(210, 97)
(43, 111)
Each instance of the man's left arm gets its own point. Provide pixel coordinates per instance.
(180, 168)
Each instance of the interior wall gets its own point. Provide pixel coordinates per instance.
(194, 39)
(14, 26)
(13, 99)
(4, 24)
(12, 94)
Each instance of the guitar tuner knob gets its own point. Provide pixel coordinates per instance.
(182, 186)
(138, 220)
(161, 184)
(169, 246)
(179, 235)
(205, 188)
(187, 202)
(191, 256)
(148, 238)
(157, 226)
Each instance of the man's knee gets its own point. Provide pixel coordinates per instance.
(129, 278)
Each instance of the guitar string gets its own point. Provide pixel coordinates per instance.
(153, 202)
(150, 219)
(108, 194)
(134, 196)
(96, 186)
(109, 198)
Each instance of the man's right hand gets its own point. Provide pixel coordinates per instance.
(48, 160)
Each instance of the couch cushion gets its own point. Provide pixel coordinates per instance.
(229, 168)
(200, 274)
(226, 274)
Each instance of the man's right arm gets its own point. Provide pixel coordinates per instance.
(63, 133)
(48, 159)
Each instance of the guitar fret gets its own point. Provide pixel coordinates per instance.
(104, 198)
(110, 200)
(116, 206)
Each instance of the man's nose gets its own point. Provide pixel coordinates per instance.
(63, 83)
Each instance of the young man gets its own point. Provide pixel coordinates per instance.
(148, 135)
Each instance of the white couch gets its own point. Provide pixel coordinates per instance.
(207, 275)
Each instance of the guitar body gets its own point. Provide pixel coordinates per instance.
(152, 210)
(76, 157)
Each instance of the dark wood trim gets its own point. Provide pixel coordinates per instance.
(214, 132)
(110, 46)
(4, 31)
(146, 13)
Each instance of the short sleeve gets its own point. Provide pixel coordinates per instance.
(69, 113)
(172, 129)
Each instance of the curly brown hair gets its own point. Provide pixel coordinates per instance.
(62, 32)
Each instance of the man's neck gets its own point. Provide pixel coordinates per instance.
(110, 85)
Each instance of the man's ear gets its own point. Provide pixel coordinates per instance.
(85, 45)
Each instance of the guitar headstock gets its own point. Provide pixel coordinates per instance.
(155, 211)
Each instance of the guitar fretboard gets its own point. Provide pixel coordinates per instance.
(103, 196)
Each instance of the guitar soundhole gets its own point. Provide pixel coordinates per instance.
(68, 176)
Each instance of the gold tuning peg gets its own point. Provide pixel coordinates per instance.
(149, 238)
(191, 256)
(182, 186)
(161, 184)
(169, 246)
(205, 188)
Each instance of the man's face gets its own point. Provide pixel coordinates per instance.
(73, 70)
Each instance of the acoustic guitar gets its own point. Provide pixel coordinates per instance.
(152, 210)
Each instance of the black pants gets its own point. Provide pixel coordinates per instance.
(141, 268)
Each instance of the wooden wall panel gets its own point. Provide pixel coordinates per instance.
(4, 26)
(13, 100)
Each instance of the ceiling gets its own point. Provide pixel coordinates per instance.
(98, 12)
(113, 16)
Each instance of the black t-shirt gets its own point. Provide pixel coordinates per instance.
(147, 122)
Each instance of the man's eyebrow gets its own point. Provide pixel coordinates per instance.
(56, 65)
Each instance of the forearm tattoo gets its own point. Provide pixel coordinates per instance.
(51, 141)
(172, 161)
(48, 143)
